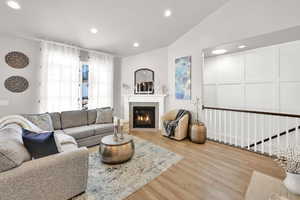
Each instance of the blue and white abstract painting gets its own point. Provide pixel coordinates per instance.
(183, 78)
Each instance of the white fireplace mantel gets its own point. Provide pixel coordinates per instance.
(160, 99)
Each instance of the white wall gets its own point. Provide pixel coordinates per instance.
(264, 79)
(236, 20)
(26, 102)
(157, 60)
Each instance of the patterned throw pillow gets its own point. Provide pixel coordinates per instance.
(104, 115)
(43, 121)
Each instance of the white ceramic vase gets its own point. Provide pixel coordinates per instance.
(292, 182)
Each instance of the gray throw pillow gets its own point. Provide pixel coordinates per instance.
(43, 121)
(104, 115)
(12, 154)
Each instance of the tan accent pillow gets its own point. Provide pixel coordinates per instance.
(104, 115)
(12, 154)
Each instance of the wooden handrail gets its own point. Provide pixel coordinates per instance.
(251, 111)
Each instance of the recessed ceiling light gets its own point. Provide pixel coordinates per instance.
(242, 46)
(13, 4)
(168, 13)
(94, 30)
(219, 51)
(136, 44)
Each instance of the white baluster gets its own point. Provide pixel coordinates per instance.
(215, 125)
(211, 123)
(225, 127)
(230, 128)
(242, 130)
(278, 134)
(262, 134)
(220, 126)
(207, 123)
(255, 132)
(270, 128)
(287, 132)
(205, 116)
(236, 129)
(248, 131)
(297, 131)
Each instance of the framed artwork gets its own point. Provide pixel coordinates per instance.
(183, 78)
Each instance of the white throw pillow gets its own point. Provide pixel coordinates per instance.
(104, 115)
(12, 154)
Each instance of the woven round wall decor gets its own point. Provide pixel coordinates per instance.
(17, 60)
(16, 84)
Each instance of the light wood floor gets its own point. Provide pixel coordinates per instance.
(210, 171)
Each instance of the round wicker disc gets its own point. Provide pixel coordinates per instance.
(16, 84)
(17, 60)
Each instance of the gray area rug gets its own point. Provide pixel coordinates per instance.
(116, 182)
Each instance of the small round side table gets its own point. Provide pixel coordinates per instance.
(198, 133)
(116, 151)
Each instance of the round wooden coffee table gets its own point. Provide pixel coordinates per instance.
(116, 151)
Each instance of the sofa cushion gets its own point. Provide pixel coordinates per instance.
(80, 132)
(103, 128)
(70, 119)
(12, 154)
(39, 144)
(43, 121)
(56, 121)
(104, 115)
(92, 115)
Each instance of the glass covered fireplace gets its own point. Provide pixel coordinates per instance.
(143, 117)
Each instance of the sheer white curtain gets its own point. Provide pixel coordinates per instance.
(59, 78)
(100, 81)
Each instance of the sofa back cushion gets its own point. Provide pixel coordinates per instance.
(104, 115)
(92, 115)
(56, 121)
(70, 119)
(43, 121)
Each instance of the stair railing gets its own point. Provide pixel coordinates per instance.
(258, 131)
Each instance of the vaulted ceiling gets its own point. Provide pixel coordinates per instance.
(120, 23)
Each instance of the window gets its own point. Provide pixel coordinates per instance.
(59, 78)
(68, 84)
(85, 86)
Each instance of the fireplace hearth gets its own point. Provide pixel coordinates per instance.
(143, 117)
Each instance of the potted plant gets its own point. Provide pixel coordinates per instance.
(289, 159)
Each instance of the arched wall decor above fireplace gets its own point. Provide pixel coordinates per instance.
(144, 81)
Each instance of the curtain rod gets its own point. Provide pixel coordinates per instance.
(67, 45)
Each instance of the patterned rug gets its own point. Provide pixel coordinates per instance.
(116, 182)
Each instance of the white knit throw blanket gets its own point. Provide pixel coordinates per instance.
(26, 124)
(19, 120)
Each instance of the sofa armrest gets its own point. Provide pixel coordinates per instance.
(56, 177)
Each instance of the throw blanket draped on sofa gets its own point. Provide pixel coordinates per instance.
(17, 122)
(170, 125)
